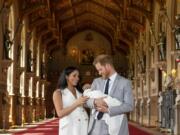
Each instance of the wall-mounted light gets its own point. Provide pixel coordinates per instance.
(164, 74)
(177, 17)
(73, 52)
(50, 57)
(173, 72)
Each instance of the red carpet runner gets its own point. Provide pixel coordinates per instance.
(51, 128)
(48, 128)
(136, 131)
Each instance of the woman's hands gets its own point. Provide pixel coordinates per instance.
(80, 101)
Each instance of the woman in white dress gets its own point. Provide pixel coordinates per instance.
(68, 102)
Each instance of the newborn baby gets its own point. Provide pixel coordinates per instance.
(114, 123)
(99, 94)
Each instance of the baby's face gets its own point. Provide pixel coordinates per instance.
(86, 86)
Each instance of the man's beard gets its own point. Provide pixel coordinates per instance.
(106, 76)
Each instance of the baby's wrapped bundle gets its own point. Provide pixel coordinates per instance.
(114, 123)
(99, 94)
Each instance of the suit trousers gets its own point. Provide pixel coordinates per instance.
(99, 128)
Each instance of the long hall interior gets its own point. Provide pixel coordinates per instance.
(39, 38)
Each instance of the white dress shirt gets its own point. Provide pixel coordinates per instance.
(111, 81)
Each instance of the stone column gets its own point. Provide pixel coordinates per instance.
(141, 99)
(1, 53)
(28, 111)
(18, 110)
(148, 73)
(29, 86)
(148, 101)
(169, 34)
(1, 108)
(23, 111)
(25, 100)
(135, 99)
(136, 111)
(141, 110)
(160, 100)
(5, 111)
(4, 101)
(34, 102)
(43, 109)
(177, 114)
(12, 109)
(37, 109)
(34, 110)
(148, 111)
(1, 46)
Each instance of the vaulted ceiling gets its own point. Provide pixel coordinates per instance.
(115, 19)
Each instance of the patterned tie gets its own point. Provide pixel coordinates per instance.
(100, 114)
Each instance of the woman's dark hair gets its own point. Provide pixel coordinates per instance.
(62, 82)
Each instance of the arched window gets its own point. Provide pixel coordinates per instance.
(22, 81)
(10, 28)
(30, 66)
(42, 68)
(22, 59)
(30, 87)
(43, 57)
(9, 34)
(37, 89)
(32, 53)
(22, 47)
(38, 60)
(43, 90)
(151, 49)
(30, 56)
